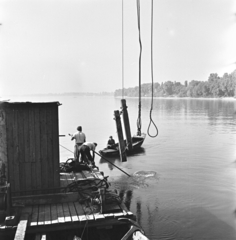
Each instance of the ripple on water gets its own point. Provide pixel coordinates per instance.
(146, 174)
(140, 179)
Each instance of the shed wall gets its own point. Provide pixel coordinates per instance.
(32, 147)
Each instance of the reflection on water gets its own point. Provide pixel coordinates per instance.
(193, 195)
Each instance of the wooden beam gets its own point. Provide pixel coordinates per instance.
(127, 125)
(122, 148)
(21, 227)
(45, 199)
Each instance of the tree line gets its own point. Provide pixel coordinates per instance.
(214, 87)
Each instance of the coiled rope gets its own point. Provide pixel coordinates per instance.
(139, 123)
(150, 115)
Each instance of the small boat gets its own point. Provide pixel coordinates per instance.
(137, 142)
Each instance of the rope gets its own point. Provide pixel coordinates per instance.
(103, 158)
(150, 115)
(122, 49)
(112, 164)
(66, 148)
(84, 228)
(139, 124)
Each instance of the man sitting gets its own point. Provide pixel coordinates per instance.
(111, 143)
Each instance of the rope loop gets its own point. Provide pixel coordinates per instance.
(150, 115)
(152, 122)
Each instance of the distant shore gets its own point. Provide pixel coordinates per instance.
(174, 97)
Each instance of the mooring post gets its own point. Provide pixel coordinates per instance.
(126, 124)
(122, 148)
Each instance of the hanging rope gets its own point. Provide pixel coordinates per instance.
(150, 115)
(122, 49)
(139, 123)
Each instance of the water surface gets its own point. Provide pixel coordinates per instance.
(193, 192)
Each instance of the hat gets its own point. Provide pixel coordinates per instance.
(110, 137)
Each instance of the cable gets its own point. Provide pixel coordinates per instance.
(150, 115)
(122, 49)
(139, 123)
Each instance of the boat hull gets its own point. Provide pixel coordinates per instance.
(137, 142)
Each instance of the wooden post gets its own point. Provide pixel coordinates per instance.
(122, 148)
(126, 124)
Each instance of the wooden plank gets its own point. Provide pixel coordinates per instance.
(48, 218)
(41, 217)
(66, 212)
(34, 217)
(73, 213)
(88, 212)
(43, 149)
(16, 153)
(60, 213)
(22, 178)
(55, 146)
(96, 212)
(70, 178)
(108, 215)
(79, 176)
(112, 208)
(49, 157)
(32, 153)
(125, 210)
(119, 214)
(63, 180)
(45, 198)
(28, 176)
(3, 145)
(40, 236)
(21, 152)
(21, 227)
(34, 178)
(80, 212)
(88, 174)
(26, 127)
(27, 209)
(25, 165)
(37, 149)
(9, 144)
(54, 217)
(32, 135)
(98, 175)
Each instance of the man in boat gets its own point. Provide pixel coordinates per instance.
(80, 138)
(111, 143)
(85, 152)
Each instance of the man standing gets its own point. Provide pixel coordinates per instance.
(85, 152)
(80, 138)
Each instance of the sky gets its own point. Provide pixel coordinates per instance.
(60, 46)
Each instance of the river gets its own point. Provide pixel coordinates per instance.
(193, 192)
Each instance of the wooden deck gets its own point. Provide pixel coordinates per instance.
(63, 211)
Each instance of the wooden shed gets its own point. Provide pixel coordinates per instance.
(29, 147)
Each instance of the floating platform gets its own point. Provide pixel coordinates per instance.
(67, 210)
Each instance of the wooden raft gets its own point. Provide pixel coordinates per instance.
(62, 211)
